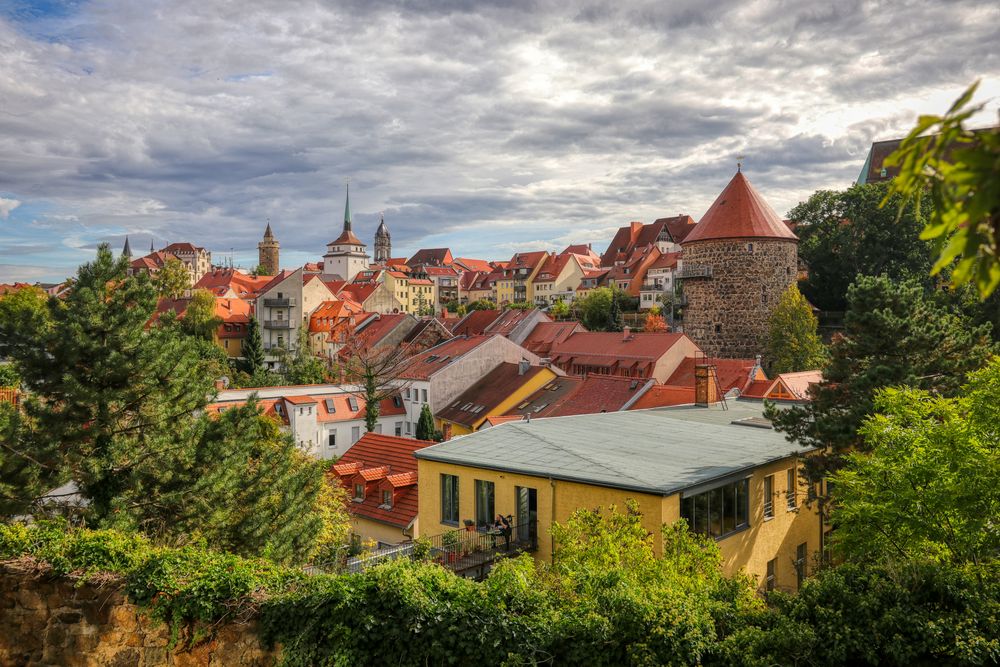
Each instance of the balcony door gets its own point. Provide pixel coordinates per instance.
(527, 514)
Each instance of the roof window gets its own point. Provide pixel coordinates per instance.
(352, 403)
(330, 405)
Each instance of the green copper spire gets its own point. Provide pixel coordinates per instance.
(347, 210)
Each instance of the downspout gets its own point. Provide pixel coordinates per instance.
(552, 518)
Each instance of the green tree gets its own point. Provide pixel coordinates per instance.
(172, 279)
(301, 366)
(199, 318)
(927, 491)
(9, 376)
(482, 304)
(615, 320)
(253, 348)
(793, 344)
(847, 233)
(595, 309)
(559, 309)
(960, 170)
(425, 424)
(895, 335)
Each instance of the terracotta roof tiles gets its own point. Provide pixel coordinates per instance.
(739, 212)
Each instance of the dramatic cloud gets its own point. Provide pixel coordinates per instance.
(488, 126)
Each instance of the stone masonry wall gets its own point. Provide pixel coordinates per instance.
(48, 621)
(727, 314)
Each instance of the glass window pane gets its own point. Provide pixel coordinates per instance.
(715, 511)
(701, 522)
(729, 508)
(742, 504)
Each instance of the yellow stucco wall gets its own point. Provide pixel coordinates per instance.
(747, 550)
(527, 389)
(374, 530)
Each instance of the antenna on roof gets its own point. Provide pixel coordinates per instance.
(739, 162)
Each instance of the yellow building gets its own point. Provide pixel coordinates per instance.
(724, 470)
(497, 392)
(516, 285)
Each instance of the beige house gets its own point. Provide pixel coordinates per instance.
(283, 307)
(560, 276)
(197, 260)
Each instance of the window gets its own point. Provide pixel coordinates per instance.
(406, 393)
(359, 491)
(790, 490)
(387, 499)
(396, 402)
(424, 394)
(352, 403)
(331, 439)
(719, 511)
(398, 428)
(718, 328)
(330, 406)
(800, 563)
(484, 503)
(769, 497)
(750, 247)
(355, 434)
(449, 499)
(771, 575)
(409, 428)
(378, 428)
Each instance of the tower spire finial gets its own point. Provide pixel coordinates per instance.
(127, 251)
(739, 162)
(347, 206)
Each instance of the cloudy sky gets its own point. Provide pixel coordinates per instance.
(486, 126)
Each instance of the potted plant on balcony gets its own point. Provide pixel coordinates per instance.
(450, 543)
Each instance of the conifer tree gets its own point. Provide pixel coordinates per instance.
(615, 320)
(895, 336)
(793, 344)
(253, 348)
(425, 425)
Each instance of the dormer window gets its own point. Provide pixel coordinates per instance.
(386, 499)
(359, 492)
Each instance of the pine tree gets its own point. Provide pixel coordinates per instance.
(425, 425)
(253, 348)
(793, 344)
(615, 320)
(895, 336)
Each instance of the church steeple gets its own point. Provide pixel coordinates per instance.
(151, 248)
(127, 251)
(383, 243)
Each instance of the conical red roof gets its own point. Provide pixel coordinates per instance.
(739, 212)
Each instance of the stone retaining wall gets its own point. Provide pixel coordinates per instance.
(48, 621)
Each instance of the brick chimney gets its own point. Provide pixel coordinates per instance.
(626, 332)
(706, 385)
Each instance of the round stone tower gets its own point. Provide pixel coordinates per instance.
(383, 244)
(737, 262)
(267, 253)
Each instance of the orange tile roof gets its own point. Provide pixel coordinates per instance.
(509, 319)
(526, 260)
(610, 348)
(342, 410)
(432, 360)
(482, 398)
(553, 267)
(739, 212)
(732, 373)
(394, 456)
(662, 395)
(434, 256)
(440, 271)
(475, 322)
(545, 334)
(474, 264)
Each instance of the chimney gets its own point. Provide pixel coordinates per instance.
(706, 385)
(626, 332)
(523, 366)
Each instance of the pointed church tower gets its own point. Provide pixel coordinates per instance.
(268, 253)
(383, 243)
(738, 261)
(152, 249)
(127, 251)
(345, 256)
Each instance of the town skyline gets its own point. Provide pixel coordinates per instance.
(485, 129)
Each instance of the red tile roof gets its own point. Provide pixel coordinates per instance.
(300, 400)
(482, 398)
(678, 227)
(182, 247)
(526, 260)
(276, 280)
(732, 373)
(509, 319)
(153, 261)
(475, 322)
(795, 384)
(545, 334)
(739, 212)
(347, 237)
(662, 395)
(432, 360)
(474, 264)
(342, 408)
(440, 271)
(566, 396)
(607, 349)
(432, 256)
(220, 281)
(393, 457)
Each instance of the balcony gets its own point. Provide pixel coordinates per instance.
(694, 272)
(469, 553)
(653, 287)
(277, 324)
(279, 303)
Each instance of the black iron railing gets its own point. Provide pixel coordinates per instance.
(467, 549)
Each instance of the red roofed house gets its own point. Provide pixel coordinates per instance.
(475, 322)
(658, 280)
(234, 316)
(380, 475)
(516, 286)
(516, 324)
(232, 283)
(785, 387)
(345, 256)
(576, 395)
(438, 375)
(445, 279)
(198, 260)
(332, 323)
(664, 395)
(495, 393)
(150, 264)
(545, 334)
(431, 257)
(627, 354)
(560, 275)
(468, 264)
(738, 261)
(324, 419)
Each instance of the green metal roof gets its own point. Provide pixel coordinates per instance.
(660, 451)
(347, 210)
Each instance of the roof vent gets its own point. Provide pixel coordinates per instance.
(755, 422)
